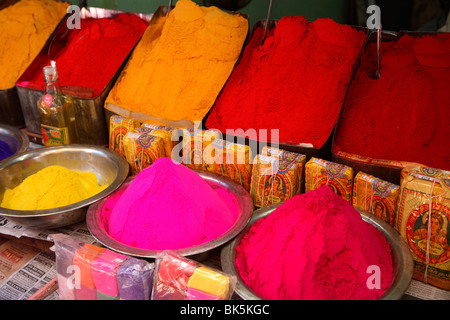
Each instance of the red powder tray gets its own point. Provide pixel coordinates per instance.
(90, 109)
(401, 256)
(385, 169)
(323, 152)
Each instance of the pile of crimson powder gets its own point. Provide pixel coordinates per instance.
(315, 246)
(91, 56)
(294, 82)
(403, 115)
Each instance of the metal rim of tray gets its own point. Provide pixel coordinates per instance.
(400, 252)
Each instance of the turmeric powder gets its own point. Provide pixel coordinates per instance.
(25, 28)
(51, 187)
(178, 75)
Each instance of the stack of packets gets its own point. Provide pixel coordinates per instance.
(179, 278)
(423, 221)
(319, 172)
(376, 196)
(88, 272)
(277, 176)
(140, 143)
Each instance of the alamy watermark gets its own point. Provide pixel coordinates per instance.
(374, 20)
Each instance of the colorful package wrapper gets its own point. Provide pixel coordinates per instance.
(297, 158)
(423, 221)
(319, 172)
(376, 196)
(118, 128)
(89, 272)
(194, 144)
(180, 278)
(231, 160)
(273, 180)
(141, 150)
(135, 279)
(165, 133)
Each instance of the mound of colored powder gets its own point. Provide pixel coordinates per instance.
(25, 27)
(51, 187)
(5, 150)
(178, 75)
(92, 54)
(294, 82)
(315, 246)
(168, 206)
(403, 115)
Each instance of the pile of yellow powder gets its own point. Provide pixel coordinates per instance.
(24, 29)
(178, 75)
(51, 187)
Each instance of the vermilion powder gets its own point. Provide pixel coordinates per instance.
(315, 246)
(404, 115)
(92, 54)
(294, 82)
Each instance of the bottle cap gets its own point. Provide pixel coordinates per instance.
(50, 73)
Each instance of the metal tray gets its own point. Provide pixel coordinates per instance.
(10, 109)
(96, 223)
(114, 109)
(401, 256)
(324, 152)
(110, 168)
(92, 129)
(381, 168)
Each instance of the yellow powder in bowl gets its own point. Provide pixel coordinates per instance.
(178, 75)
(51, 187)
(24, 29)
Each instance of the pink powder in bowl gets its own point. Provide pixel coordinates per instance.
(168, 206)
(315, 246)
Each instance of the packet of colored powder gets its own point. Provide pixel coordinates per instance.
(231, 160)
(118, 128)
(339, 177)
(89, 272)
(180, 278)
(423, 221)
(297, 158)
(194, 144)
(273, 180)
(376, 196)
(164, 134)
(142, 149)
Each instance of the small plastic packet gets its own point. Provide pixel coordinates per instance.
(180, 278)
(89, 272)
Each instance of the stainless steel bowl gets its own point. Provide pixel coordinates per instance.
(110, 167)
(401, 256)
(96, 223)
(15, 138)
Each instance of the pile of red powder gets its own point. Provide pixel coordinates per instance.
(294, 82)
(92, 54)
(404, 115)
(315, 246)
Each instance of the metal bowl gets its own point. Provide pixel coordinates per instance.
(96, 223)
(401, 256)
(16, 139)
(111, 169)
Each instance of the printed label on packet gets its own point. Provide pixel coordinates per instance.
(47, 100)
(54, 136)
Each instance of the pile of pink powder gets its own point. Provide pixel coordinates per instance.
(315, 246)
(168, 206)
